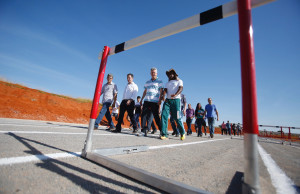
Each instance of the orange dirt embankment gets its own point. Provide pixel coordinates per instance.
(21, 102)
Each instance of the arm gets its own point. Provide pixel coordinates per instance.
(144, 94)
(217, 115)
(184, 109)
(161, 93)
(114, 99)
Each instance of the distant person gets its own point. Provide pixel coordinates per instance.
(234, 129)
(173, 88)
(211, 111)
(190, 114)
(223, 128)
(199, 114)
(239, 129)
(137, 111)
(109, 91)
(127, 104)
(115, 110)
(181, 114)
(228, 126)
(153, 90)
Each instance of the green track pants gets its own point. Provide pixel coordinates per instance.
(171, 106)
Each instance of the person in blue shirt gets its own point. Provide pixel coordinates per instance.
(210, 112)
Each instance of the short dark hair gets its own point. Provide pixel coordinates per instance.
(138, 97)
(130, 74)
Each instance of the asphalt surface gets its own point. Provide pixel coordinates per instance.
(215, 165)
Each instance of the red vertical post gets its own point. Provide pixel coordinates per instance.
(250, 123)
(88, 142)
(99, 84)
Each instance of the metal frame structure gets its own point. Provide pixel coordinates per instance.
(249, 99)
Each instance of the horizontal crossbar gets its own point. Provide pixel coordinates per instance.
(205, 17)
(159, 182)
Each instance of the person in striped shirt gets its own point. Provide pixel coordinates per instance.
(152, 100)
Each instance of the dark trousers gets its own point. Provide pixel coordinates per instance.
(150, 110)
(200, 122)
(189, 125)
(129, 108)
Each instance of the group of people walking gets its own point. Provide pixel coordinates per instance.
(231, 128)
(149, 106)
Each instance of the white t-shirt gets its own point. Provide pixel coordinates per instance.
(172, 87)
(116, 108)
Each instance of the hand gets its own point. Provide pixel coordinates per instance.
(173, 96)
(141, 103)
(184, 111)
(128, 102)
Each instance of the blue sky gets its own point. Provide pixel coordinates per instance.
(54, 46)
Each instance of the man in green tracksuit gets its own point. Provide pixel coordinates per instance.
(173, 88)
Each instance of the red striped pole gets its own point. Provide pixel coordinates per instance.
(93, 116)
(250, 124)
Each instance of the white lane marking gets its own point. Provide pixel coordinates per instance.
(60, 133)
(47, 126)
(24, 159)
(184, 144)
(280, 180)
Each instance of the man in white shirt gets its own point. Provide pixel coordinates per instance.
(173, 89)
(127, 104)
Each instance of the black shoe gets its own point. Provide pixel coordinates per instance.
(211, 135)
(116, 131)
(134, 131)
(95, 128)
(154, 131)
(173, 133)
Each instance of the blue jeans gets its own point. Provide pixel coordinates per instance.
(137, 119)
(104, 111)
(211, 122)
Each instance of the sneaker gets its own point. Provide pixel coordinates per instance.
(154, 131)
(116, 131)
(211, 135)
(95, 128)
(110, 128)
(182, 137)
(163, 138)
(173, 133)
(134, 131)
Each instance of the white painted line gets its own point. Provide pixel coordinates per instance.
(282, 183)
(59, 133)
(184, 144)
(34, 158)
(45, 125)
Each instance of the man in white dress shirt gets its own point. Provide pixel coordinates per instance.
(127, 104)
